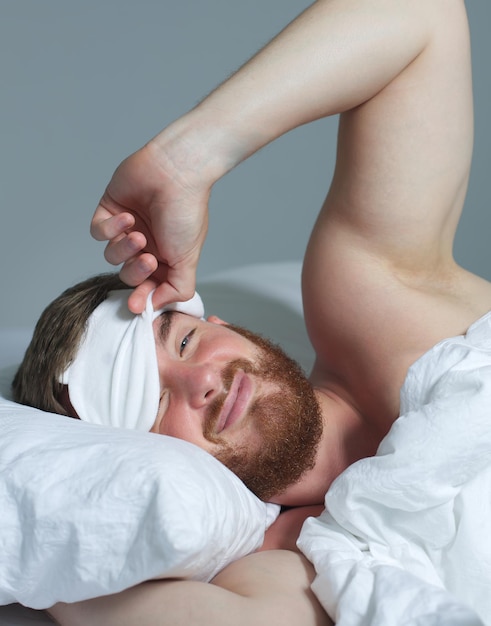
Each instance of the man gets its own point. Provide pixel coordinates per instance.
(380, 285)
(169, 371)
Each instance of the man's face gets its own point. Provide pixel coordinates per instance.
(239, 397)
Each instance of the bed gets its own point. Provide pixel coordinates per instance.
(403, 539)
(62, 534)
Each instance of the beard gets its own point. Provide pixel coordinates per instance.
(288, 421)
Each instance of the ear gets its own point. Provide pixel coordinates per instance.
(216, 320)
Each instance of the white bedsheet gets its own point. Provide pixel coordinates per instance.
(405, 538)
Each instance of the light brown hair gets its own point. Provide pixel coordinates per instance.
(55, 341)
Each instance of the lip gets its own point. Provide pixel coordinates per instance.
(236, 401)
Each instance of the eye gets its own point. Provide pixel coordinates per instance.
(185, 342)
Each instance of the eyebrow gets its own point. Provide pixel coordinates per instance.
(166, 320)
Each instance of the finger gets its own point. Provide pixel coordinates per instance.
(138, 269)
(106, 226)
(123, 248)
(138, 297)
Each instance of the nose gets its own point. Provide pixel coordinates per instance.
(198, 384)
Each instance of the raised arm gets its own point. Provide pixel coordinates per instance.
(380, 283)
(335, 56)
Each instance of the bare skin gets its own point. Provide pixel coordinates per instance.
(380, 285)
(246, 592)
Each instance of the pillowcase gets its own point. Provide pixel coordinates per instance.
(88, 510)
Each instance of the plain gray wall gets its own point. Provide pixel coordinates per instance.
(83, 84)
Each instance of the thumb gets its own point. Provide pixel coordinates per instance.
(178, 288)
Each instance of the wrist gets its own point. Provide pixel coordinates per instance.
(205, 144)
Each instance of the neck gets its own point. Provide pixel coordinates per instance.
(345, 439)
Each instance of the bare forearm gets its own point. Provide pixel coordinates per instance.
(159, 603)
(268, 588)
(336, 55)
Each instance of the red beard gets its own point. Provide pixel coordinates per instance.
(289, 423)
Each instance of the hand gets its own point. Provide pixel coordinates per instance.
(155, 218)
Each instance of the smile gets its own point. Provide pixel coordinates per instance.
(236, 401)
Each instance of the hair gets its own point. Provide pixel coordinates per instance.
(55, 342)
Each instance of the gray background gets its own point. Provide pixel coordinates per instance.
(83, 84)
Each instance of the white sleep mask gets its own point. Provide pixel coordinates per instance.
(114, 378)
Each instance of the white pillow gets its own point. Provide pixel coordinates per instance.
(88, 511)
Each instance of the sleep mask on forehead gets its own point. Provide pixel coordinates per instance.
(114, 377)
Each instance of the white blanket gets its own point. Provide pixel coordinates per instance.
(406, 535)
